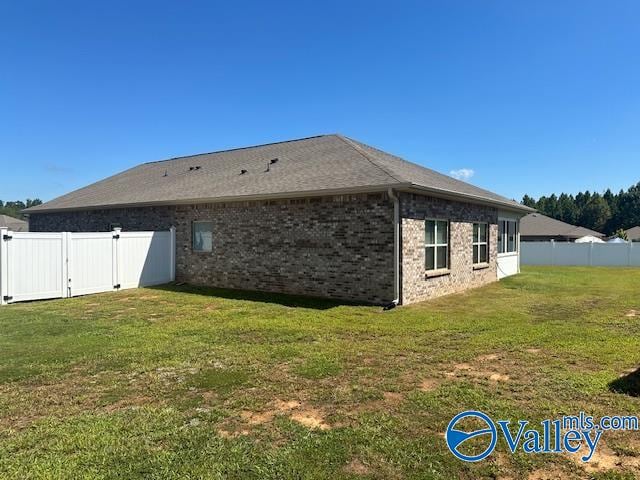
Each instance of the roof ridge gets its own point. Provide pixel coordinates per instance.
(360, 150)
(241, 148)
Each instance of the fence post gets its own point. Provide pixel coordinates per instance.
(3, 266)
(65, 264)
(591, 254)
(172, 253)
(629, 255)
(114, 256)
(553, 252)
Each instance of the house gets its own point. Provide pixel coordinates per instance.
(13, 224)
(536, 227)
(323, 216)
(633, 234)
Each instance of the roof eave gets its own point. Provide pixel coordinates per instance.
(450, 195)
(407, 187)
(237, 198)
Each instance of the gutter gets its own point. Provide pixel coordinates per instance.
(396, 249)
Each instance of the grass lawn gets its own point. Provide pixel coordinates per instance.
(182, 382)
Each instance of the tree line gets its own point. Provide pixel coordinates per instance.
(13, 209)
(608, 213)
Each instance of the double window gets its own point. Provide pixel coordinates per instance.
(507, 236)
(480, 243)
(436, 237)
(202, 236)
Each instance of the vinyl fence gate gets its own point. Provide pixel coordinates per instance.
(35, 266)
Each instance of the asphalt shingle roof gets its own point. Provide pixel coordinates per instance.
(633, 233)
(309, 165)
(536, 224)
(14, 224)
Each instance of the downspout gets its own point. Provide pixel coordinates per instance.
(396, 250)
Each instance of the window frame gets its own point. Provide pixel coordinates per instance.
(476, 260)
(503, 236)
(193, 236)
(435, 245)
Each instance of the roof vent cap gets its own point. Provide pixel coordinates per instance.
(243, 171)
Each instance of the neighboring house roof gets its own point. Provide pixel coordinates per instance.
(314, 165)
(633, 233)
(14, 224)
(538, 225)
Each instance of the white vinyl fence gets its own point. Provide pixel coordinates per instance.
(587, 254)
(36, 266)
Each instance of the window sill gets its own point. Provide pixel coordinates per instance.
(480, 266)
(437, 273)
(201, 252)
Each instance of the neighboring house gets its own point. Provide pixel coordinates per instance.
(13, 224)
(633, 234)
(536, 227)
(323, 216)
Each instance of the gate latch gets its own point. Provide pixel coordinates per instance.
(7, 237)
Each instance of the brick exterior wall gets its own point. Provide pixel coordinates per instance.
(336, 247)
(416, 286)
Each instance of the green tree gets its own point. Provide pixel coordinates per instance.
(620, 233)
(595, 214)
(529, 201)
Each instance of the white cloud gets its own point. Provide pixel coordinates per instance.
(462, 173)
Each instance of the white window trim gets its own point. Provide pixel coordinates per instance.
(435, 245)
(193, 236)
(476, 261)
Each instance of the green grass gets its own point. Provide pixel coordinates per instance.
(188, 382)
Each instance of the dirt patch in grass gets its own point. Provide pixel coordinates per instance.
(257, 418)
(297, 411)
(554, 473)
(393, 397)
(429, 384)
(490, 357)
(310, 418)
(632, 313)
(465, 370)
(356, 467)
(605, 459)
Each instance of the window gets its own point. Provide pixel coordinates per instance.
(436, 237)
(202, 236)
(480, 243)
(507, 236)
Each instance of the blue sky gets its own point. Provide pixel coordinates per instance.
(535, 97)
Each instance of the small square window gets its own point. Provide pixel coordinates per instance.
(202, 236)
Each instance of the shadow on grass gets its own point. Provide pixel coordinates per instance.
(628, 384)
(255, 296)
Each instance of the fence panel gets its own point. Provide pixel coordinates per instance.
(35, 266)
(145, 258)
(90, 260)
(581, 254)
